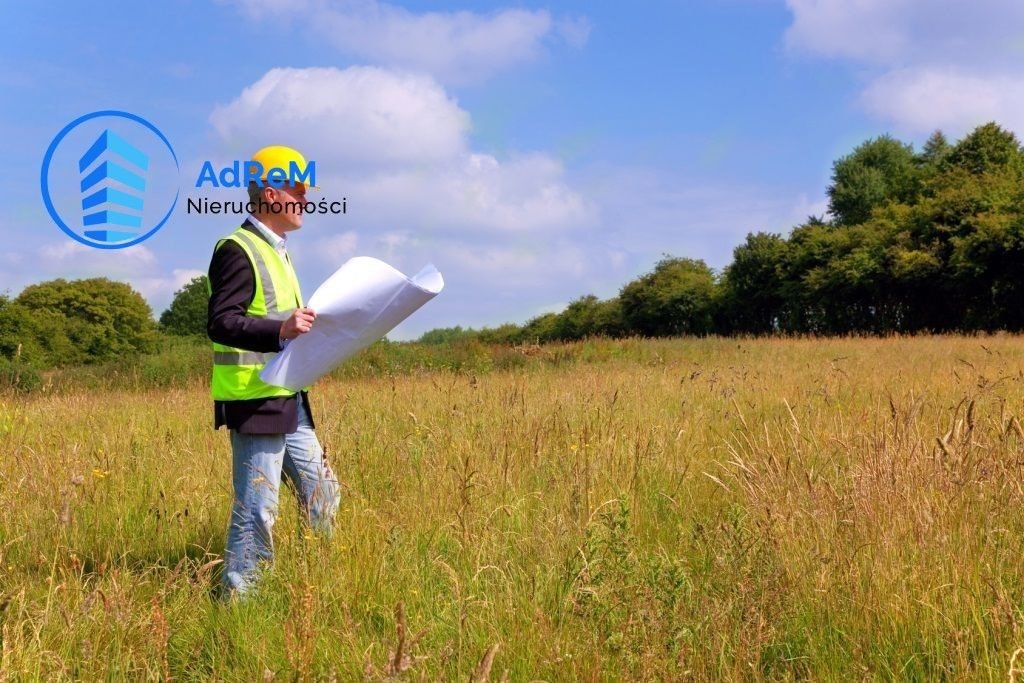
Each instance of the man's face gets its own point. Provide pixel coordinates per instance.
(291, 198)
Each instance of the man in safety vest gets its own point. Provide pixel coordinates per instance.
(255, 309)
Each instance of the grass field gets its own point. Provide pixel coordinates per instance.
(707, 509)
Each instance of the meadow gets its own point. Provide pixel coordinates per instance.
(688, 509)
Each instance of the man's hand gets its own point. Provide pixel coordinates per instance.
(299, 322)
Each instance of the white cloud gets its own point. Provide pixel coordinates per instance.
(869, 30)
(396, 146)
(137, 265)
(358, 115)
(512, 263)
(336, 249)
(72, 258)
(806, 207)
(903, 32)
(646, 213)
(505, 232)
(393, 239)
(159, 290)
(924, 99)
(488, 259)
(930, 63)
(456, 47)
(477, 194)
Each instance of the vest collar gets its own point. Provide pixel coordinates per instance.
(262, 234)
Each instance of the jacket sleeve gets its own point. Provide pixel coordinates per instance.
(233, 286)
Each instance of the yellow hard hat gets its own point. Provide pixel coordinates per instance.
(279, 156)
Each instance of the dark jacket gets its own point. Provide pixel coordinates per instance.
(233, 285)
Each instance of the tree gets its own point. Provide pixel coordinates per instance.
(509, 333)
(876, 172)
(986, 265)
(809, 249)
(38, 337)
(676, 298)
(935, 150)
(850, 288)
(542, 328)
(986, 148)
(589, 316)
(186, 316)
(440, 336)
(608, 318)
(91, 320)
(752, 294)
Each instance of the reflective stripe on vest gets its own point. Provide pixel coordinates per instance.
(241, 358)
(236, 371)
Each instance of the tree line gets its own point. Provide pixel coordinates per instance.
(913, 241)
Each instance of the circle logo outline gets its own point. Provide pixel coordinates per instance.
(44, 182)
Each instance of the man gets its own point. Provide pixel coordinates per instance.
(255, 309)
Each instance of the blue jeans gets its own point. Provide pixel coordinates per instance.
(258, 460)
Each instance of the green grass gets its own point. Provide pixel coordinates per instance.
(634, 510)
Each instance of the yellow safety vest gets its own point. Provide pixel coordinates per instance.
(236, 372)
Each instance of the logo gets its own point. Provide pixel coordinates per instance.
(253, 172)
(110, 179)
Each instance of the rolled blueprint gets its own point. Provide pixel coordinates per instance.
(355, 307)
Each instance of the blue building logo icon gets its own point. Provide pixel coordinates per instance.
(100, 182)
(120, 190)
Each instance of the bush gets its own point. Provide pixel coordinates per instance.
(18, 376)
(63, 322)
(186, 316)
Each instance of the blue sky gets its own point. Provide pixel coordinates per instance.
(533, 152)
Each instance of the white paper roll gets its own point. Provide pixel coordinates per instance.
(363, 301)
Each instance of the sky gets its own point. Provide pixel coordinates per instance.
(534, 152)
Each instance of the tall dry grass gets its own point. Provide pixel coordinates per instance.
(703, 509)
